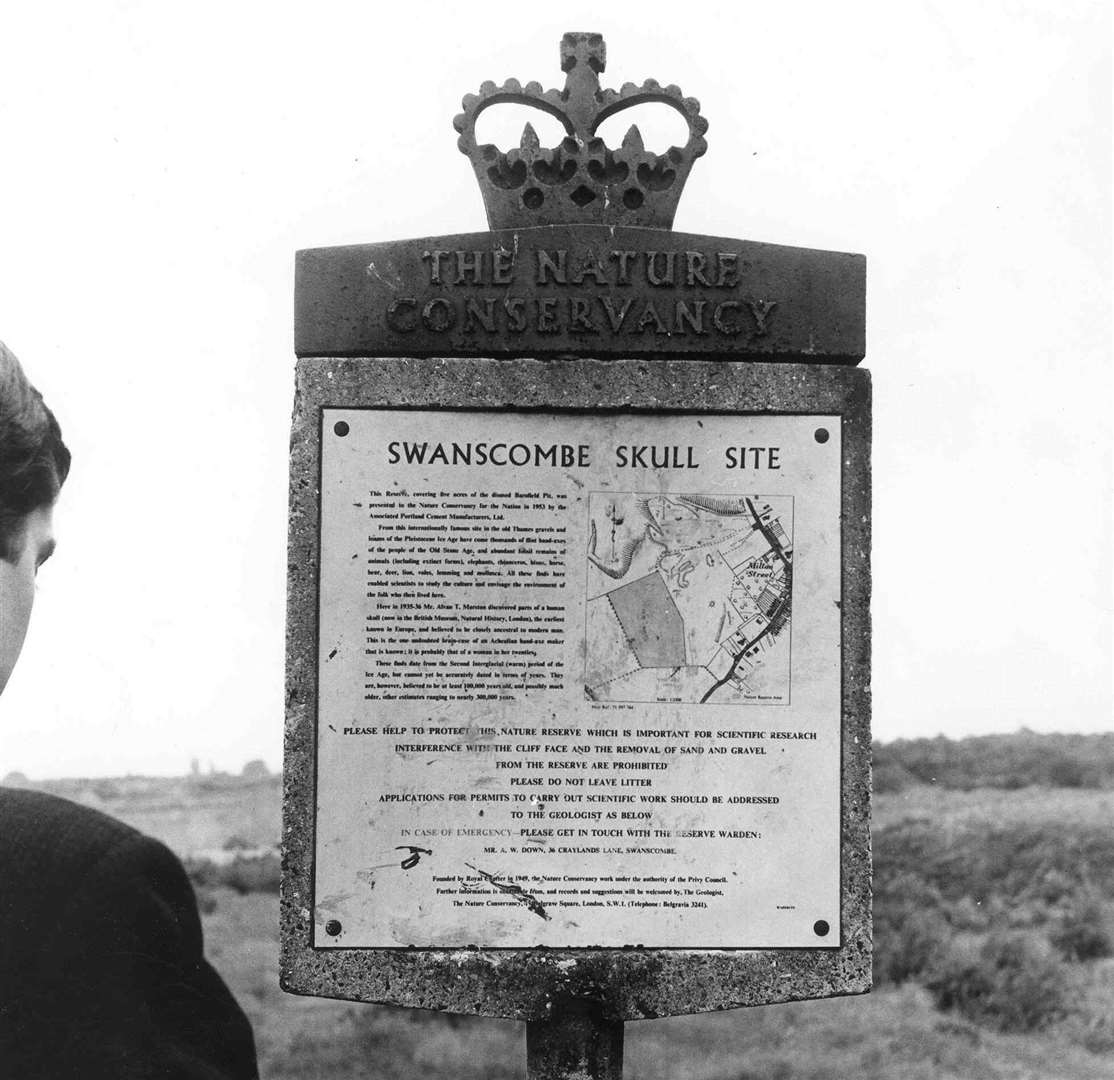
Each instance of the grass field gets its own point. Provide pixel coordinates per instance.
(893, 1033)
(971, 862)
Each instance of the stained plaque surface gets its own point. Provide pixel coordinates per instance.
(578, 680)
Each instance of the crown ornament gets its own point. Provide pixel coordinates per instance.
(582, 180)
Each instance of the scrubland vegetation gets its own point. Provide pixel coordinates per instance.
(1005, 762)
(994, 880)
(993, 917)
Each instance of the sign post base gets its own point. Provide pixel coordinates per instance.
(577, 1043)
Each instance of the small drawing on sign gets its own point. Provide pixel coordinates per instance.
(414, 857)
(511, 889)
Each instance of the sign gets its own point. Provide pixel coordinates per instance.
(578, 650)
(579, 680)
(561, 289)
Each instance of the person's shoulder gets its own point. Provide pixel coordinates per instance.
(40, 829)
(73, 879)
(102, 970)
(49, 846)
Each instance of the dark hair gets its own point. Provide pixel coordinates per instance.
(34, 461)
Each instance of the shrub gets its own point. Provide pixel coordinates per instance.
(261, 874)
(909, 926)
(244, 875)
(1013, 981)
(106, 790)
(206, 901)
(1092, 1024)
(889, 775)
(1042, 862)
(968, 914)
(906, 948)
(1084, 931)
(1096, 1033)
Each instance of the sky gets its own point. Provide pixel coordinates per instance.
(162, 163)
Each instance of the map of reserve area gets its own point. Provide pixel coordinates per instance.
(689, 598)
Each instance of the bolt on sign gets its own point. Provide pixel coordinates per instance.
(578, 640)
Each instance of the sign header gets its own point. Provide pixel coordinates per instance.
(559, 290)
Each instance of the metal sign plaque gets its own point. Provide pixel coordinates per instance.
(578, 680)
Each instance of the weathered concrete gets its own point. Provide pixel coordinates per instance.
(584, 289)
(625, 984)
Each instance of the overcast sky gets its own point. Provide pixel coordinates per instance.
(162, 163)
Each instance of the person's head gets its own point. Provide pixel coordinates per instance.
(34, 463)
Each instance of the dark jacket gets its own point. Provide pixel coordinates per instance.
(101, 965)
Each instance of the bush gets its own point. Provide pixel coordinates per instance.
(206, 901)
(967, 914)
(106, 790)
(1012, 981)
(1042, 863)
(244, 875)
(906, 948)
(1084, 931)
(909, 927)
(1092, 1024)
(889, 775)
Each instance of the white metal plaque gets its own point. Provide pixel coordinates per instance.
(579, 680)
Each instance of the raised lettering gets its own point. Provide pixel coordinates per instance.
(652, 275)
(557, 269)
(469, 262)
(650, 317)
(473, 314)
(623, 258)
(616, 319)
(515, 307)
(720, 323)
(579, 309)
(695, 318)
(547, 315)
(441, 322)
(591, 266)
(727, 269)
(695, 262)
(761, 310)
(502, 272)
(434, 259)
(394, 317)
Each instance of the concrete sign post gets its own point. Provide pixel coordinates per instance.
(578, 631)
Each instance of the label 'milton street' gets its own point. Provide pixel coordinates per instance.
(579, 680)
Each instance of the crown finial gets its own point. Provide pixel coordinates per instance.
(583, 51)
(583, 58)
(582, 179)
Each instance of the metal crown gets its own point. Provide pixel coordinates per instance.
(582, 180)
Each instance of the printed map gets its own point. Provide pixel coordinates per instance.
(689, 598)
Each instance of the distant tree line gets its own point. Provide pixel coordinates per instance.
(1013, 761)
